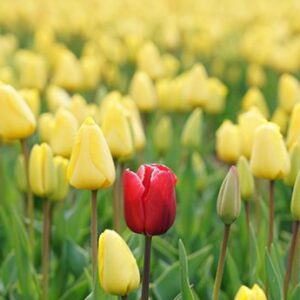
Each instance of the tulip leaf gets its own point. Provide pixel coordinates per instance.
(167, 285)
(186, 290)
(296, 292)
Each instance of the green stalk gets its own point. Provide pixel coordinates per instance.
(46, 242)
(94, 235)
(271, 213)
(146, 275)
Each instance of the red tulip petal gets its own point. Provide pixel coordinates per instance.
(145, 172)
(164, 168)
(133, 204)
(160, 203)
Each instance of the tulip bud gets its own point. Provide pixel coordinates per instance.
(149, 61)
(171, 65)
(217, 92)
(248, 122)
(7, 75)
(200, 171)
(256, 75)
(20, 174)
(288, 92)
(42, 171)
(256, 293)
(163, 135)
(17, 120)
(118, 270)
(281, 118)
(149, 199)
(63, 133)
(90, 67)
(32, 98)
(45, 126)
(91, 166)
(62, 185)
(117, 132)
(293, 134)
(137, 130)
(228, 142)
(254, 97)
(192, 132)
(295, 204)
(142, 91)
(57, 97)
(294, 154)
(245, 178)
(79, 109)
(229, 199)
(269, 158)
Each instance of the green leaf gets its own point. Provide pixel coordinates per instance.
(233, 278)
(77, 291)
(186, 290)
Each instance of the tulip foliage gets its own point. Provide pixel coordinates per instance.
(149, 150)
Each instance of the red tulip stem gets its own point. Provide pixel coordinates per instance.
(146, 277)
(289, 267)
(271, 213)
(94, 235)
(221, 262)
(29, 201)
(46, 242)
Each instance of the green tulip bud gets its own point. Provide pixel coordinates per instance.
(200, 171)
(229, 199)
(245, 178)
(295, 204)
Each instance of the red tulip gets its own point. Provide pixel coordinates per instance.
(149, 199)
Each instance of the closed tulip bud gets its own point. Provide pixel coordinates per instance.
(7, 75)
(293, 134)
(117, 132)
(295, 204)
(91, 166)
(79, 109)
(45, 126)
(200, 171)
(149, 61)
(228, 145)
(163, 135)
(171, 65)
(42, 171)
(269, 158)
(142, 91)
(90, 67)
(17, 120)
(118, 270)
(288, 92)
(295, 165)
(245, 178)
(217, 92)
(254, 97)
(137, 130)
(109, 99)
(57, 97)
(62, 185)
(256, 293)
(63, 133)
(248, 122)
(192, 132)
(20, 174)
(149, 199)
(32, 98)
(256, 75)
(195, 89)
(281, 118)
(229, 198)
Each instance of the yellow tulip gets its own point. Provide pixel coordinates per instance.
(192, 131)
(109, 99)
(32, 98)
(248, 122)
(245, 178)
(91, 165)
(45, 126)
(288, 92)
(57, 97)
(293, 134)
(63, 133)
(42, 171)
(295, 164)
(90, 67)
(62, 185)
(17, 120)
(269, 158)
(295, 203)
(228, 145)
(149, 61)
(163, 135)
(142, 91)
(117, 132)
(254, 97)
(7, 75)
(281, 118)
(171, 65)
(256, 75)
(256, 293)
(217, 92)
(118, 270)
(79, 109)
(137, 130)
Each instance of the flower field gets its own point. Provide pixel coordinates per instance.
(149, 150)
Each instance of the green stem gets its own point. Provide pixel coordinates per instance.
(271, 213)
(46, 242)
(288, 272)
(94, 235)
(29, 202)
(124, 297)
(247, 211)
(146, 276)
(117, 200)
(220, 268)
